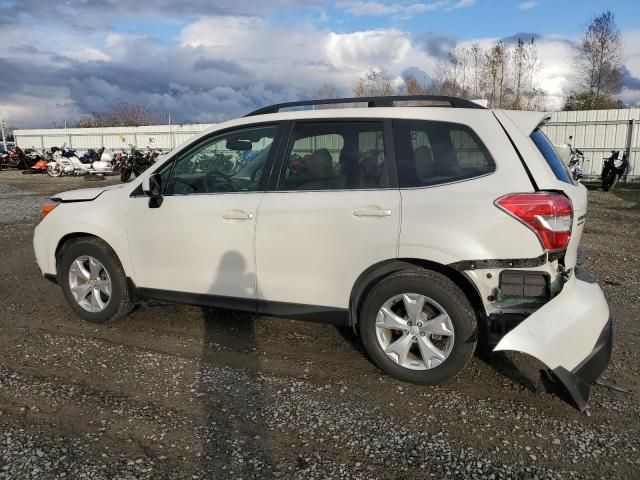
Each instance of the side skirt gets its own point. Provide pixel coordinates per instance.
(296, 311)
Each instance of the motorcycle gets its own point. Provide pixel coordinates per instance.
(66, 162)
(613, 168)
(576, 160)
(16, 158)
(40, 163)
(136, 162)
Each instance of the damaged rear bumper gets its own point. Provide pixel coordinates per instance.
(571, 334)
(578, 381)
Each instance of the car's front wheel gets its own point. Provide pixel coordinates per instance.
(418, 326)
(93, 281)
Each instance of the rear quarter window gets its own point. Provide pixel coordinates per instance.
(431, 153)
(546, 148)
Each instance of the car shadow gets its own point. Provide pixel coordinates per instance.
(232, 398)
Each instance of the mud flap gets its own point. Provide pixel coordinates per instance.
(571, 335)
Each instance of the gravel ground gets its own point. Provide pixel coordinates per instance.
(182, 392)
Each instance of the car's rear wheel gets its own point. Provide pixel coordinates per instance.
(93, 281)
(418, 326)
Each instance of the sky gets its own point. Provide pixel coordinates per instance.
(206, 60)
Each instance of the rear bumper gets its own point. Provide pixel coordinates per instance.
(578, 381)
(571, 334)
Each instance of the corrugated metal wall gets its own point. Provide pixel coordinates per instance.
(156, 136)
(597, 133)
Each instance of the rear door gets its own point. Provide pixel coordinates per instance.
(547, 169)
(333, 213)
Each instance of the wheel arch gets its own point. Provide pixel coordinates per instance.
(64, 240)
(374, 274)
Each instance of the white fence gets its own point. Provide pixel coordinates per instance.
(165, 137)
(597, 133)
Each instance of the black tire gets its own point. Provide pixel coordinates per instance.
(609, 180)
(121, 301)
(125, 175)
(443, 291)
(614, 181)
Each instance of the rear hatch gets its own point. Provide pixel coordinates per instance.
(546, 169)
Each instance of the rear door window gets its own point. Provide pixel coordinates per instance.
(344, 155)
(431, 153)
(560, 169)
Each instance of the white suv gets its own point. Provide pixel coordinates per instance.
(422, 226)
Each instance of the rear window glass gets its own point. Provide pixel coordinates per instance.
(431, 153)
(550, 154)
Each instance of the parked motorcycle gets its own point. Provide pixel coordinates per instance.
(66, 162)
(576, 160)
(16, 158)
(40, 166)
(136, 162)
(613, 168)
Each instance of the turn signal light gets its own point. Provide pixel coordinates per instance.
(47, 208)
(548, 215)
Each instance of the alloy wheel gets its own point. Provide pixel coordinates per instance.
(414, 331)
(90, 283)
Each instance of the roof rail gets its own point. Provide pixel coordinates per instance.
(388, 101)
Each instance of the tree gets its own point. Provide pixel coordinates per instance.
(327, 90)
(413, 87)
(519, 72)
(375, 83)
(122, 115)
(598, 65)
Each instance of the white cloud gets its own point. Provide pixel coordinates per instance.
(463, 4)
(402, 10)
(528, 5)
(231, 65)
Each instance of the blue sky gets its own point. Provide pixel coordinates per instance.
(202, 60)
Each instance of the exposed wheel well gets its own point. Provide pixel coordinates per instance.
(370, 277)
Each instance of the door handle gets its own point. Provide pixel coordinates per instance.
(371, 212)
(237, 215)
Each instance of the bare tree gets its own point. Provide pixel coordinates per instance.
(519, 59)
(413, 87)
(598, 65)
(477, 60)
(122, 115)
(327, 90)
(375, 83)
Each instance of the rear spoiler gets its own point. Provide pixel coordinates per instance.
(527, 122)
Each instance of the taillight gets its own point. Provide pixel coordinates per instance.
(549, 215)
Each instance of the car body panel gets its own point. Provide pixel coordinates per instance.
(519, 126)
(311, 248)
(195, 243)
(565, 330)
(102, 217)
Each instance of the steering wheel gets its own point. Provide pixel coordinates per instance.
(210, 184)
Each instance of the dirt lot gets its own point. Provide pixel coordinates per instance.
(181, 392)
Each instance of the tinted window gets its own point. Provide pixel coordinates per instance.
(550, 154)
(335, 155)
(429, 153)
(230, 162)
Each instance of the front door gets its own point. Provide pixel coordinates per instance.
(332, 216)
(200, 240)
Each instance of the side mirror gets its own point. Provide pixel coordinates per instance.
(152, 187)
